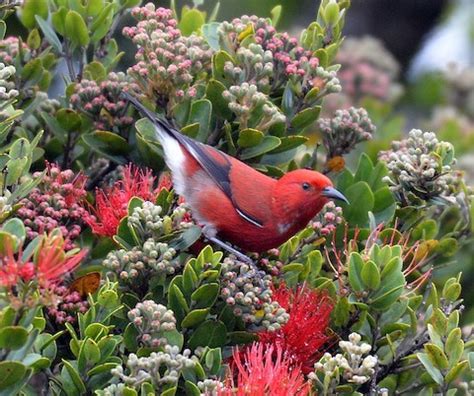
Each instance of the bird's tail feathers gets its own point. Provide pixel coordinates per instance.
(163, 126)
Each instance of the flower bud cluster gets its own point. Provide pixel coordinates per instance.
(152, 321)
(290, 60)
(254, 65)
(154, 258)
(10, 48)
(55, 203)
(327, 219)
(7, 87)
(244, 99)
(210, 387)
(368, 69)
(160, 369)
(345, 130)
(168, 63)
(250, 296)
(69, 304)
(420, 166)
(103, 103)
(148, 222)
(351, 363)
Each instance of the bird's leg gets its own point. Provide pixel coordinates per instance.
(236, 253)
(230, 249)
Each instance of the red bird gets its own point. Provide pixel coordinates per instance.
(234, 201)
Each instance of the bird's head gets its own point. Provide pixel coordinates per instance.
(306, 192)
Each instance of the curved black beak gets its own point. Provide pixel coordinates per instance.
(331, 192)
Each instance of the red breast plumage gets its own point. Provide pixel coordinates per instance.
(235, 202)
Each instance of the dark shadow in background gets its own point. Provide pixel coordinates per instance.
(400, 24)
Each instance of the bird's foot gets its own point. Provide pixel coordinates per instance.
(240, 256)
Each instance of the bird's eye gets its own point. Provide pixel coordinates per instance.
(305, 186)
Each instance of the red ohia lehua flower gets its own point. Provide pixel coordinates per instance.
(263, 370)
(12, 267)
(111, 203)
(52, 262)
(303, 337)
(48, 264)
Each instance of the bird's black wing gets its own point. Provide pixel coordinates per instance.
(218, 167)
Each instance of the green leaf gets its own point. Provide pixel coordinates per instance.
(177, 302)
(434, 373)
(214, 90)
(36, 361)
(436, 356)
(49, 34)
(365, 168)
(187, 238)
(361, 201)
(75, 377)
(68, 119)
(454, 346)
(250, 137)
(13, 337)
(16, 228)
(150, 153)
(124, 236)
(439, 321)
(213, 360)
(135, 202)
(206, 295)
(95, 71)
(356, 264)
(174, 337)
(76, 29)
(195, 317)
(108, 144)
(218, 62)
(3, 29)
(370, 275)
(428, 229)
(209, 32)
(447, 247)
(191, 389)
(190, 280)
(32, 71)
(456, 371)
(102, 23)
(30, 9)
(268, 143)
(341, 312)
(378, 173)
(58, 19)
(191, 21)
(101, 368)
(305, 118)
(384, 205)
(275, 13)
(289, 143)
(108, 299)
(201, 113)
(210, 333)
(91, 351)
(34, 40)
(11, 373)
